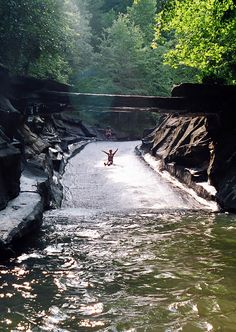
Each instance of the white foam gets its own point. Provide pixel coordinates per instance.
(155, 164)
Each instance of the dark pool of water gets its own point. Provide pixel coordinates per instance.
(131, 271)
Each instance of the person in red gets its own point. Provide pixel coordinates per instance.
(108, 133)
(110, 156)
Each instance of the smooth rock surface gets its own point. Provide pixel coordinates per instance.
(23, 215)
(20, 216)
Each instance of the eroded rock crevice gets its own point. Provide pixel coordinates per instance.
(200, 149)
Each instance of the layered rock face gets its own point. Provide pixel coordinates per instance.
(196, 143)
(33, 133)
(222, 166)
(200, 148)
(35, 142)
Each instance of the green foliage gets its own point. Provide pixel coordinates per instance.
(161, 78)
(127, 64)
(204, 33)
(116, 5)
(55, 67)
(161, 4)
(102, 46)
(81, 57)
(99, 46)
(143, 13)
(103, 13)
(31, 30)
(46, 38)
(121, 53)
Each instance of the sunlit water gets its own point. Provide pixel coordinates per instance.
(128, 184)
(122, 264)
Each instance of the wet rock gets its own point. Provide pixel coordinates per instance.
(182, 144)
(226, 193)
(27, 87)
(222, 169)
(10, 172)
(22, 217)
(198, 149)
(70, 126)
(197, 91)
(9, 117)
(10, 159)
(33, 143)
(23, 214)
(33, 152)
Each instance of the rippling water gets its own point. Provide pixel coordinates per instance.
(145, 271)
(139, 269)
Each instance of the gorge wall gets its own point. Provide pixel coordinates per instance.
(33, 135)
(200, 148)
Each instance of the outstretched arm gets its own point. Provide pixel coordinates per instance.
(105, 152)
(115, 152)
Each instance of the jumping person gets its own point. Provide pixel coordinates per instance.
(110, 156)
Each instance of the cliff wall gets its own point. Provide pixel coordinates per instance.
(200, 149)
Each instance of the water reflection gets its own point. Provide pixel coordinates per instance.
(137, 271)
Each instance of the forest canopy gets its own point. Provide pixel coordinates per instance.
(203, 36)
(111, 46)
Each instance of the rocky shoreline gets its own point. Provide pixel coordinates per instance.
(39, 191)
(34, 149)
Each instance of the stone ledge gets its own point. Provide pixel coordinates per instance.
(186, 176)
(182, 178)
(23, 215)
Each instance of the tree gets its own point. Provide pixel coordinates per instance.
(81, 59)
(35, 37)
(103, 13)
(121, 57)
(204, 34)
(159, 78)
(116, 5)
(143, 13)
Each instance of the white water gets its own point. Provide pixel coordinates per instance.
(128, 184)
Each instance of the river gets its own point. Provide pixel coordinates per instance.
(126, 252)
